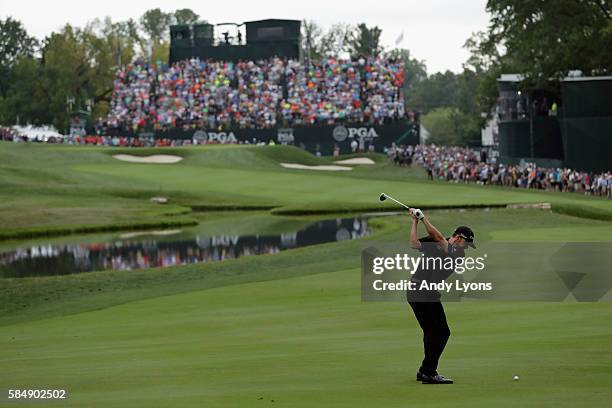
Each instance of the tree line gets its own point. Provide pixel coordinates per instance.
(41, 81)
(74, 68)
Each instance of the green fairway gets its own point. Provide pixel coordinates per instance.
(309, 341)
(46, 187)
(287, 329)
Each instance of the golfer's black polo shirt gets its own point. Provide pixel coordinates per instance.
(432, 249)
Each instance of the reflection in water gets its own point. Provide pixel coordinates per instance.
(137, 251)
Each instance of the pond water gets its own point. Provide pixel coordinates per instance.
(209, 241)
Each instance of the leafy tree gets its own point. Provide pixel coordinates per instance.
(466, 92)
(26, 101)
(468, 128)
(451, 126)
(68, 71)
(364, 40)
(75, 63)
(132, 30)
(311, 40)
(547, 39)
(15, 43)
(155, 24)
(447, 89)
(484, 64)
(437, 90)
(185, 16)
(114, 42)
(318, 43)
(440, 125)
(335, 41)
(109, 45)
(160, 52)
(543, 41)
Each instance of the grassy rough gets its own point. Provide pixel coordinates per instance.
(33, 232)
(583, 211)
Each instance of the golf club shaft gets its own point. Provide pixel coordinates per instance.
(400, 203)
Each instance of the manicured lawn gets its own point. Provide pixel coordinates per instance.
(49, 187)
(287, 329)
(309, 341)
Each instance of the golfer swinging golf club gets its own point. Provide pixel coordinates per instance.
(426, 303)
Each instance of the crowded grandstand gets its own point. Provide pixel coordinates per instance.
(258, 94)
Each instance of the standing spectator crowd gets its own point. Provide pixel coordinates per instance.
(7, 134)
(464, 165)
(119, 141)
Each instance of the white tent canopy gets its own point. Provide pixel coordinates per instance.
(42, 133)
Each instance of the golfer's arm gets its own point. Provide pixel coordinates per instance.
(414, 240)
(435, 234)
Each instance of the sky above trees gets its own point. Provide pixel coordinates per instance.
(434, 30)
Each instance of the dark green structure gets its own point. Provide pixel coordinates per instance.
(264, 39)
(586, 124)
(315, 139)
(572, 128)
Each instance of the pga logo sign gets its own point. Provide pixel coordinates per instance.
(215, 137)
(341, 133)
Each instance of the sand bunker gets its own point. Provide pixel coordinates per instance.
(162, 233)
(321, 167)
(156, 158)
(356, 160)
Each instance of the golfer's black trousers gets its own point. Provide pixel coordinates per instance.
(432, 320)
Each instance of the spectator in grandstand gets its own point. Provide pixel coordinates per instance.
(209, 94)
(321, 93)
(131, 104)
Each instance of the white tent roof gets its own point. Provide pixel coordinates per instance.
(32, 132)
